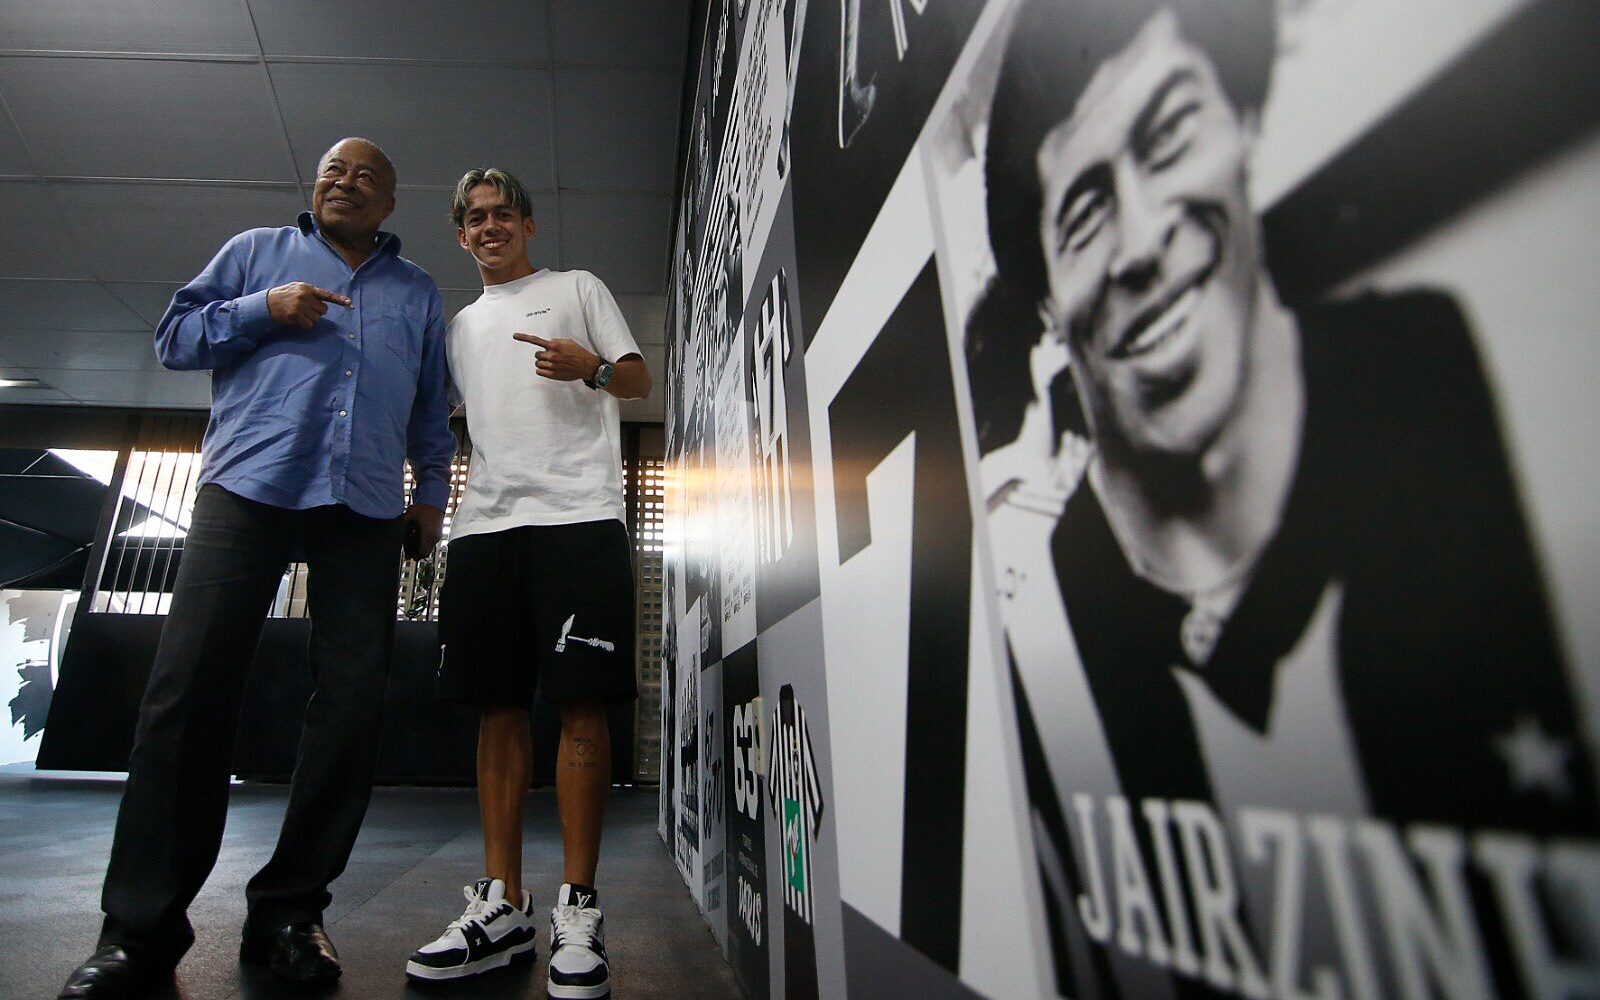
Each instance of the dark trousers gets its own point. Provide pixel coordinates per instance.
(173, 809)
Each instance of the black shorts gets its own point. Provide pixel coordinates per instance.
(541, 607)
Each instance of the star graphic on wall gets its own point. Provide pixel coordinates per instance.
(1536, 759)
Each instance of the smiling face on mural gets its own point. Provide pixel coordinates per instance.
(1151, 249)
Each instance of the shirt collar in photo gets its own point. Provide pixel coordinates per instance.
(387, 242)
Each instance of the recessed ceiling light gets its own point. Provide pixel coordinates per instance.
(20, 383)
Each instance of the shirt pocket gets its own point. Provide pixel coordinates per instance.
(398, 361)
(400, 330)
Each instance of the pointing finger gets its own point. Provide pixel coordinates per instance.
(528, 338)
(327, 296)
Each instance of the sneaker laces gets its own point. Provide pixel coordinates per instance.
(578, 926)
(476, 910)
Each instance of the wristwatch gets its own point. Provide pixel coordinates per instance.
(602, 375)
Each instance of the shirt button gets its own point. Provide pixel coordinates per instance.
(341, 413)
(351, 336)
(347, 373)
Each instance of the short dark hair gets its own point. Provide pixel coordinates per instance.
(1001, 331)
(509, 187)
(383, 158)
(1053, 52)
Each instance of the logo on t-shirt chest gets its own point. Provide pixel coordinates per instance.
(537, 312)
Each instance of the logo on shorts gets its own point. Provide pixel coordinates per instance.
(566, 636)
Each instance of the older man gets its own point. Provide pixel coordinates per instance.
(326, 349)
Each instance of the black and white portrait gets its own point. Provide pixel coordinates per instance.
(1278, 538)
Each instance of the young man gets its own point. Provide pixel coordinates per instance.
(539, 592)
(326, 354)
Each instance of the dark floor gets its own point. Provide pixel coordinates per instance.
(418, 847)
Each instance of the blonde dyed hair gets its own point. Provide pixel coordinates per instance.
(509, 187)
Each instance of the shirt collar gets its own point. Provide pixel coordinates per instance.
(387, 242)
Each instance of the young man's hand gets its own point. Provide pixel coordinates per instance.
(301, 304)
(424, 526)
(561, 359)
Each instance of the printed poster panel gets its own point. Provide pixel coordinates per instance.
(898, 518)
(33, 636)
(713, 808)
(1318, 639)
(802, 871)
(736, 498)
(667, 799)
(780, 432)
(686, 753)
(863, 76)
(754, 145)
(749, 913)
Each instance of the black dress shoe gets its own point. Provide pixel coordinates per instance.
(299, 953)
(112, 972)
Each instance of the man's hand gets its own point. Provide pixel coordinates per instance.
(424, 526)
(561, 359)
(301, 304)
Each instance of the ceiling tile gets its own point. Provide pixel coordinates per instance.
(218, 26)
(146, 118)
(188, 390)
(486, 30)
(34, 395)
(175, 229)
(422, 221)
(126, 350)
(646, 316)
(435, 122)
(13, 158)
(621, 34)
(617, 129)
(148, 299)
(29, 394)
(61, 305)
(547, 248)
(33, 243)
(621, 238)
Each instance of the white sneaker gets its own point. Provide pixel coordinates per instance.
(578, 969)
(487, 936)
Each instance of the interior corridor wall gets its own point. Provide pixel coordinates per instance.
(1130, 519)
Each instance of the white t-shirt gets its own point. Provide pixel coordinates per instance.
(543, 451)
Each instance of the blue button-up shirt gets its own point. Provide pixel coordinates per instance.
(303, 418)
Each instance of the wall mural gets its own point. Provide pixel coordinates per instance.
(33, 633)
(1130, 517)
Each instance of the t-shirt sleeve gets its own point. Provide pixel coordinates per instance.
(608, 331)
(452, 387)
